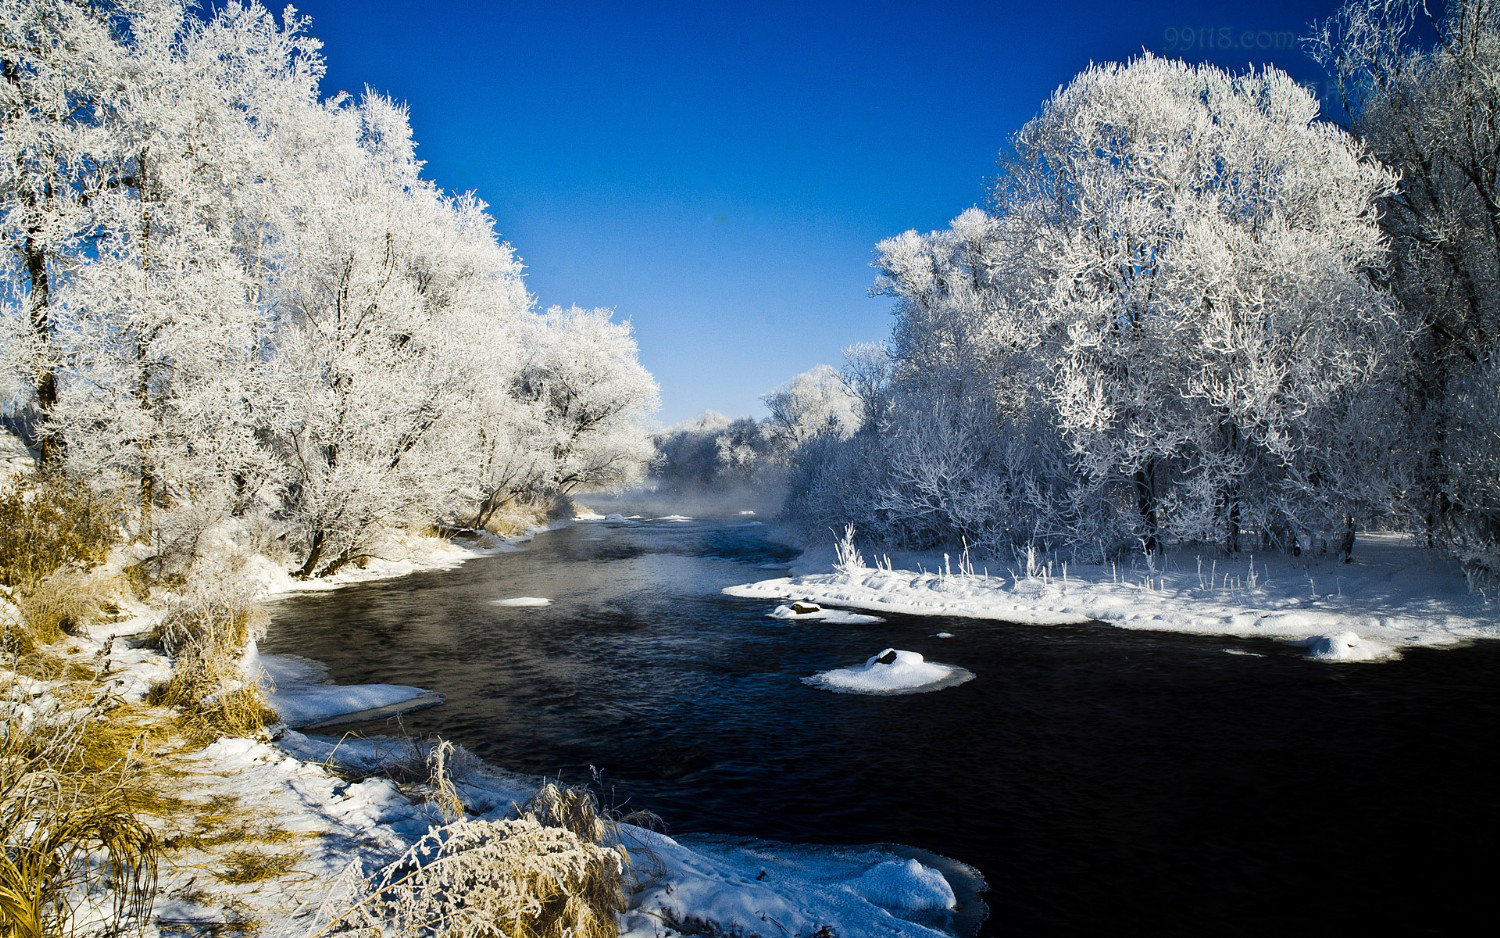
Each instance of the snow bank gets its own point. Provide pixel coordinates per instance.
(748, 887)
(892, 672)
(1395, 595)
(835, 616)
(523, 601)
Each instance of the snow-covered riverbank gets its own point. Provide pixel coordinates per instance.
(311, 805)
(1394, 595)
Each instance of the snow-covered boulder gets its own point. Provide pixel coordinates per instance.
(892, 672)
(814, 611)
(1348, 646)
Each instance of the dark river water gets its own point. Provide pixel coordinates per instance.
(1104, 781)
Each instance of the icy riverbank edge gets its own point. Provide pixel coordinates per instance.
(334, 798)
(1394, 595)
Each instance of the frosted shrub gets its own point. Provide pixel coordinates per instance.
(849, 560)
(206, 632)
(485, 879)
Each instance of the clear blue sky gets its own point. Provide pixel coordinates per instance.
(719, 172)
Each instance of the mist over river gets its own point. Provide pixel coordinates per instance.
(1103, 781)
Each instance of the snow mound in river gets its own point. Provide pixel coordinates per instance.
(1348, 646)
(892, 672)
(835, 616)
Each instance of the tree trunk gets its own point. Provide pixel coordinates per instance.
(314, 554)
(1145, 494)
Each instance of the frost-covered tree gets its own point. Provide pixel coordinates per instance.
(815, 402)
(582, 371)
(1429, 111)
(164, 325)
(64, 67)
(377, 345)
(233, 299)
(1165, 325)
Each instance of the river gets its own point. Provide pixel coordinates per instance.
(1103, 781)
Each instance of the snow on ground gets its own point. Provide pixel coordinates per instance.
(892, 672)
(834, 616)
(1394, 595)
(15, 458)
(522, 601)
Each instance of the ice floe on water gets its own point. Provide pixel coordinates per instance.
(675, 518)
(943, 635)
(523, 601)
(892, 672)
(835, 616)
(295, 690)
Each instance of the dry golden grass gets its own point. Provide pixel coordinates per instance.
(48, 521)
(68, 815)
(206, 634)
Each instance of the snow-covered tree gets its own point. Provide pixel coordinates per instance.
(1164, 325)
(583, 371)
(1428, 110)
(815, 402)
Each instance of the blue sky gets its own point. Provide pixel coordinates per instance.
(718, 172)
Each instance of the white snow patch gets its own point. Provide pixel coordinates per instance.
(1348, 646)
(943, 635)
(905, 884)
(908, 673)
(747, 512)
(523, 601)
(739, 887)
(835, 616)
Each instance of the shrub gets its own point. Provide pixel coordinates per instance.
(206, 632)
(485, 879)
(59, 603)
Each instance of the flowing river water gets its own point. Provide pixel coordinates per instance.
(1103, 781)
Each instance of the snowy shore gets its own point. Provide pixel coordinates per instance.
(1394, 595)
(312, 805)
